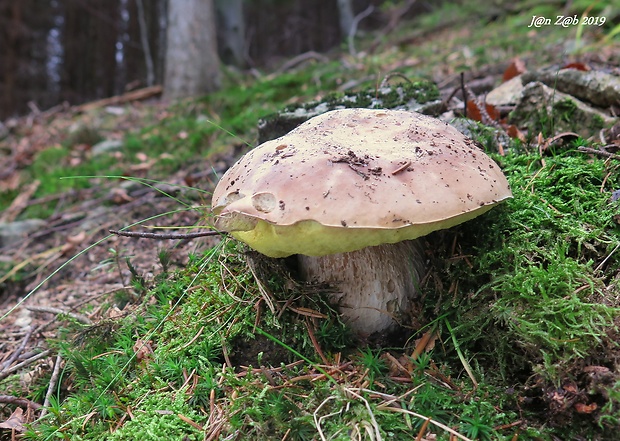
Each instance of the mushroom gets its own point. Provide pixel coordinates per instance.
(348, 191)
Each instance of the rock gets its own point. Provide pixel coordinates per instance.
(420, 97)
(12, 233)
(506, 94)
(107, 146)
(596, 87)
(543, 109)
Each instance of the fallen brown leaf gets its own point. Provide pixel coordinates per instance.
(15, 421)
(585, 408)
(516, 67)
(576, 66)
(514, 132)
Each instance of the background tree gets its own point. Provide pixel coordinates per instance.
(231, 32)
(345, 16)
(82, 50)
(192, 63)
(24, 28)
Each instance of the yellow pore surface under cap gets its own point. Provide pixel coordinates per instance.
(313, 239)
(354, 178)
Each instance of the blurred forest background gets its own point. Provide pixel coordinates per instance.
(79, 50)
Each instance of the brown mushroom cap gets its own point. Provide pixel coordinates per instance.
(353, 178)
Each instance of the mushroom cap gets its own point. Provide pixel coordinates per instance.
(353, 178)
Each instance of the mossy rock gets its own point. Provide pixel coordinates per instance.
(420, 96)
(543, 109)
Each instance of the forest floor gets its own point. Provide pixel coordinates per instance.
(125, 338)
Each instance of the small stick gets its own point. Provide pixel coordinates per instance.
(24, 363)
(143, 235)
(79, 317)
(10, 399)
(315, 343)
(464, 94)
(356, 20)
(52, 385)
(600, 265)
(598, 152)
(388, 77)
(18, 351)
(401, 168)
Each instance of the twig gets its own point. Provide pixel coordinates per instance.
(10, 399)
(52, 385)
(188, 344)
(255, 371)
(600, 265)
(24, 363)
(423, 343)
(143, 235)
(388, 77)
(401, 168)
(424, 418)
(374, 424)
(359, 17)
(79, 317)
(315, 342)
(464, 94)
(261, 288)
(598, 152)
(134, 95)
(19, 350)
(319, 420)
(189, 421)
(225, 353)
(312, 55)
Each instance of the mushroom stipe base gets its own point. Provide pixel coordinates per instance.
(376, 288)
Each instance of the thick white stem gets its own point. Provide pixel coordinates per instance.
(376, 286)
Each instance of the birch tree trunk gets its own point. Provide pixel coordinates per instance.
(345, 16)
(231, 31)
(192, 64)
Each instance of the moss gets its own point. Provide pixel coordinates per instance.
(161, 416)
(404, 94)
(564, 110)
(410, 96)
(536, 295)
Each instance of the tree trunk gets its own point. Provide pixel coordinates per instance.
(192, 63)
(231, 31)
(345, 16)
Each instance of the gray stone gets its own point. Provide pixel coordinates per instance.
(107, 146)
(596, 87)
(12, 233)
(506, 94)
(543, 109)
